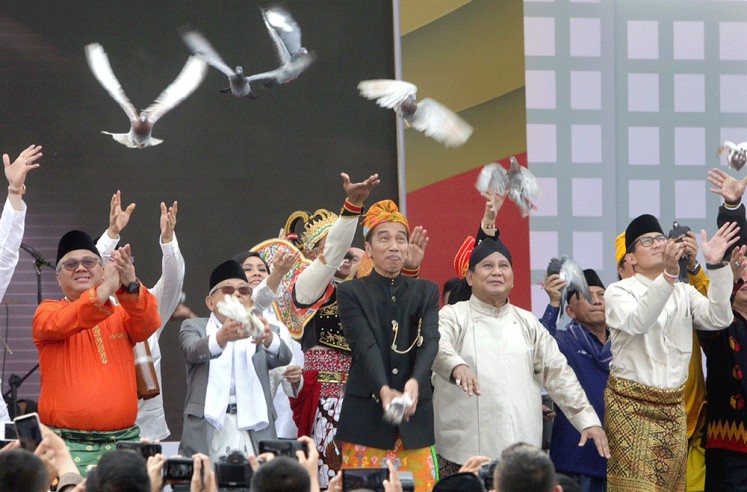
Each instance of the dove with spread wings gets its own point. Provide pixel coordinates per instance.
(141, 124)
(518, 183)
(427, 116)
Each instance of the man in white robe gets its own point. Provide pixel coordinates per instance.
(493, 359)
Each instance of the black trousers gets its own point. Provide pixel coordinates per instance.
(726, 471)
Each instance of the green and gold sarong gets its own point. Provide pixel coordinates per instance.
(87, 447)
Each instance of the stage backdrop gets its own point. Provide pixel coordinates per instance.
(237, 167)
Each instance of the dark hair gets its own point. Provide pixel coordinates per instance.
(120, 470)
(449, 286)
(281, 474)
(240, 258)
(22, 471)
(525, 468)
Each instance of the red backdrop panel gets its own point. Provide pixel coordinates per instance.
(451, 210)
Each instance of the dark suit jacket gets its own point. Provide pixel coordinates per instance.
(367, 308)
(197, 433)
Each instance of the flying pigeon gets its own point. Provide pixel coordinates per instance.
(518, 182)
(286, 34)
(238, 84)
(574, 278)
(522, 187)
(428, 116)
(737, 156)
(231, 307)
(493, 177)
(141, 125)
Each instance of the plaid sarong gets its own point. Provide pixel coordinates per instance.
(87, 447)
(647, 432)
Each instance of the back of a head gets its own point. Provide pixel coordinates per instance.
(22, 471)
(525, 468)
(281, 474)
(121, 470)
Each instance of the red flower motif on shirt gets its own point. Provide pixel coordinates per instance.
(737, 402)
(734, 344)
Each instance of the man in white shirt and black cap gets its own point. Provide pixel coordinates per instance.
(651, 316)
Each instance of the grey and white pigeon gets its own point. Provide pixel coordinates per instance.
(522, 187)
(737, 154)
(286, 34)
(573, 275)
(428, 116)
(141, 125)
(518, 182)
(238, 84)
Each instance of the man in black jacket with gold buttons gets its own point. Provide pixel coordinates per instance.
(391, 324)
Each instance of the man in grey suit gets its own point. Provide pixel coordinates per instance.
(228, 404)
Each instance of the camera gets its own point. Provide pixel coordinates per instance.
(233, 471)
(372, 479)
(178, 470)
(146, 449)
(486, 474)
(282, 447)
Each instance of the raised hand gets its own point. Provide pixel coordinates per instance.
(123, 262)
(493, 203)
(16, 172)
(673, 251)
(714, 250)
(416, 248)
(358, 192)
(737, 262)
(730, 188)
(118, 218)
(168, 222)
(553, 285)
(284, 261)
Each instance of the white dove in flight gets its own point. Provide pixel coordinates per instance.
(286, 34)
(141, 125)
(428, 116)
(737, 154)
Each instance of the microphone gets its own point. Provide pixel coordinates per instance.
(38, 257)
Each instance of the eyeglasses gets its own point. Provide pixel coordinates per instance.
(648, 241)
(71, 265)
(228, 290)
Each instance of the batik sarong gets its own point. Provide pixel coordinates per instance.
(647, 432)
(420, 462)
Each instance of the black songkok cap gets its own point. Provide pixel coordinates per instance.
(486, 248)
(75, 240)
(592, 280)
(643, 224)
(224, 271)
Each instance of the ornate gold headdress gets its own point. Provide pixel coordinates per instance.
(316, 226)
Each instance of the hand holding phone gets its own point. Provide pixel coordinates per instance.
(28, 431)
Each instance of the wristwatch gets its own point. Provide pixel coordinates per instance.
(132, 287)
